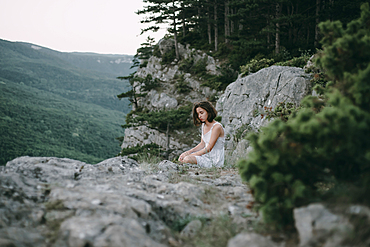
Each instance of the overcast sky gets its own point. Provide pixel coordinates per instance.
(101, 26)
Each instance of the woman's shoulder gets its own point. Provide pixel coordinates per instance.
(218, 127)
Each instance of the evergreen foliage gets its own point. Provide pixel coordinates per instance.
(255, 65)
(325, 142)
(138, 84)
(240, 29)
(144, 52)
(168, 57)
(152, 149)
(177, 118)
(181, 85)
(259, 62)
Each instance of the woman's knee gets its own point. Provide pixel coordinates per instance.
(190, 159)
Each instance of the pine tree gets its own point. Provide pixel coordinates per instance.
(327, 140)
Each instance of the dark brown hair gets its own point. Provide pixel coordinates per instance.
(206, 105)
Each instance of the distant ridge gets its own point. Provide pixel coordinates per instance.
(89, 60)
(60, 104)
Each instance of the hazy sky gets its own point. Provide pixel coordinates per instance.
(101, 26)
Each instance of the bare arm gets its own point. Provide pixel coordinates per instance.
(198, 147)
(216, 133)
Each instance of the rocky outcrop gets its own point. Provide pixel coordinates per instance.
(167, 75)
(144, 135)
(248, 97)
(318, 225)
(167, 96)
(240, 106)
(118, 202)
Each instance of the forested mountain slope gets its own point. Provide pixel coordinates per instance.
(52, 105)
(58, 73)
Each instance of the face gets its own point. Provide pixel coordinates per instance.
(202, 114)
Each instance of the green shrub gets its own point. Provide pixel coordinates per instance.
(151, 148)
(218, 118)
(220, 82)
(168, 57)
(156, 51)
(149, 83)
(186, 64)
(241, 132)
(178, 118)
(255, 65)
(199, 68)
(182, 86)
(295, 62)
(283, 111)
(326, 143)
(290, 158)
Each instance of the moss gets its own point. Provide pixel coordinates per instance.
(55, 205)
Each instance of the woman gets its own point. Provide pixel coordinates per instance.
(210, 151)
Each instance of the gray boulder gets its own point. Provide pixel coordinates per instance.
(191, 229)
(250, 240)
(166, 45)
(161, 101)
(317, 226)
(245, 100)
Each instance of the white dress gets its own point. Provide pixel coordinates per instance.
(216, 156)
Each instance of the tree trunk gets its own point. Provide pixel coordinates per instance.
(308, 34)
(168, 141)
(316, 43)
(183, 20)
(277, 35)
(209, 24)
(227, 23)
(290, 32)
(232, 23)
(175, 31)
(215, 26)
(199, 14)
(268, 33)
(295, 28)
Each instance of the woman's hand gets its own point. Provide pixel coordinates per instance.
(183, 155)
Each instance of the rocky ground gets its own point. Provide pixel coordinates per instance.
(118, 202)
(46, 201)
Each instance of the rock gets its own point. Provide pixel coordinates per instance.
(48, 201)
(245, 100)
(6, 243)
(167, 96)
(126, 235)
(191, 229)
(317, 226)
(161, 101)
(143, 135)
(166, 45)
(14, 236)
(241, 150)
(250, 240)
(359, 210)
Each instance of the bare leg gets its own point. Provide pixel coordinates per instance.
(190, 159)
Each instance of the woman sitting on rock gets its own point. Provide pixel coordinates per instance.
(210, 151)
